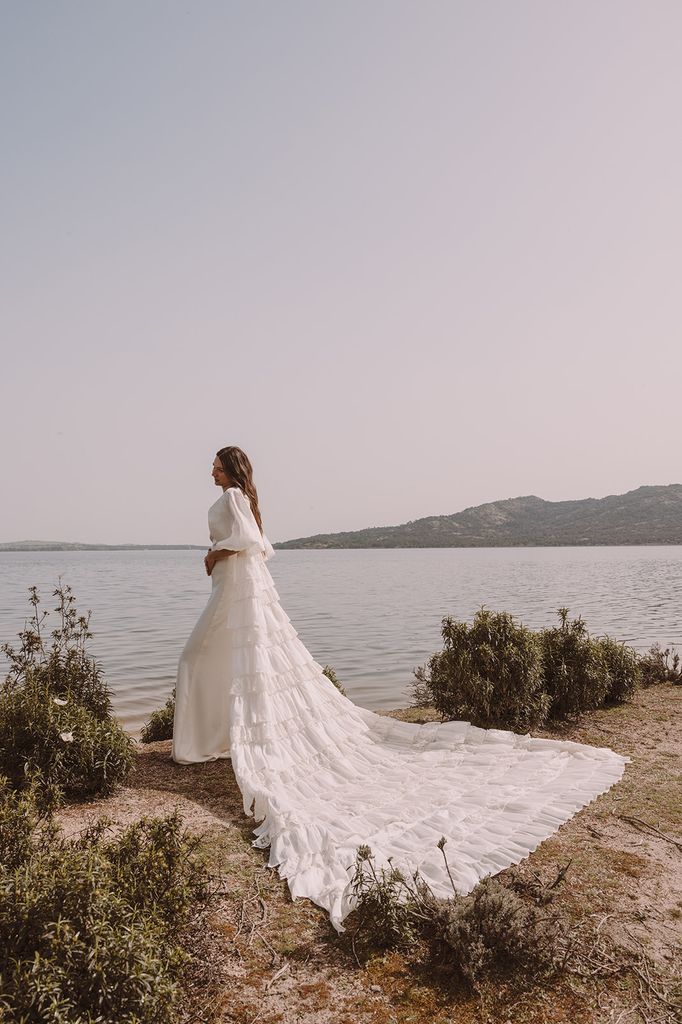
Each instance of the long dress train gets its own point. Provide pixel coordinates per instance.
(324, 776)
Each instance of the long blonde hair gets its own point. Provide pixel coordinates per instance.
(236, 464)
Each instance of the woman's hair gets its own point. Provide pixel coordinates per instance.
(236, 464)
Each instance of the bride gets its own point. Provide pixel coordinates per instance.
(323, 775)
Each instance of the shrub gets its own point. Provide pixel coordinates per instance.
(329, 672)
(497, 925)
(489, 673)
(55, 710)
(574, 668)
(498, 673)
(65, 667)
(623, 668)
(73, 750)
(26, 824)
(90, 929)
(160, 724)
(660, 666)
(388, 906)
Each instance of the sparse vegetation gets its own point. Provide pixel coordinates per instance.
(329, 672)
(660, 665)
(92, 929)
(160, 724)
(499, 925)
(55, 709)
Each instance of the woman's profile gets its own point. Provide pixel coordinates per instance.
(324, 776)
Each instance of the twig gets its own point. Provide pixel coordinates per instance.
(638, 823)
(593, 831)
(254, 1019)
(646, 979)
(601, 728)
(441, 847)
(352, 946)
(561, 874)
(280, 972)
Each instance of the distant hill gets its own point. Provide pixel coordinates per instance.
(57, 545)
(648, 515)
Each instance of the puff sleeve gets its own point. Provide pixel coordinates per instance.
(233, 526)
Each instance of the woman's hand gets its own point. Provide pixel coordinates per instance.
(215, 556)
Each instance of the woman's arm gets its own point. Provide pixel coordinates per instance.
(216, 556)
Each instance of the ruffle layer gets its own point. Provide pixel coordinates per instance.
(313, 838)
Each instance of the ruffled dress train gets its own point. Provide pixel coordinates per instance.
(324, 776)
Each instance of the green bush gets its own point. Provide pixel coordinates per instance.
(160, 724)
(495, 927)
(489, 673)
(26, 824)
(575, 674)
(65, 666)
(499, 924)
(500, 674)
(82, 755)
(388, 906)
(91, 929)
(623, 667)
(329, 672)
(55, 710)
(660, 666)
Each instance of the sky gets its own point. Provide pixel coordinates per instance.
(410, 256)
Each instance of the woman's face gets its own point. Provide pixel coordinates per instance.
(219, 475)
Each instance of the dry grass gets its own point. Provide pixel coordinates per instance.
(265, 958)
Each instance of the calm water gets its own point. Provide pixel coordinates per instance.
(373, 615)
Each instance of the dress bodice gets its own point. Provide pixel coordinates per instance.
(232, 525)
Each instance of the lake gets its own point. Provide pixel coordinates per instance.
(373, 615)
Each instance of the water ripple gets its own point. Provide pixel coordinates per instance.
(374, 615)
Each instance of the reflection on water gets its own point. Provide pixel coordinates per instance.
(373, 615)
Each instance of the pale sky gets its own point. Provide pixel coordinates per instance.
(411, 256)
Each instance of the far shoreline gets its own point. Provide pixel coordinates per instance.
(398, 547)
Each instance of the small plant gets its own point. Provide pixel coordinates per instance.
(660, 666)
(489, 673)
(496, 926)
(389, 909)
(160, 724)
(329, 672)
(65, 666)
(93, 929)
(26, 824)
(55, 710)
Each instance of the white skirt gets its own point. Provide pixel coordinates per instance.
(324, 776)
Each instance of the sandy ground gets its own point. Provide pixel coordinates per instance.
(266, 958)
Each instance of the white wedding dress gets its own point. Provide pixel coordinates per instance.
(324, 776)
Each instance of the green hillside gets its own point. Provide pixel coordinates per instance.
(648, 515)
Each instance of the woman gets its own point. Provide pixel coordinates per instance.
(237, 614)
(326, 776)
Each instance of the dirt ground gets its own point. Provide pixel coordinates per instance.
(265, 958)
